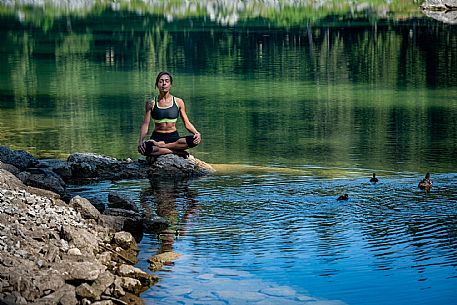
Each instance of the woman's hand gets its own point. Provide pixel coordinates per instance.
(197, 137)
(141, 148)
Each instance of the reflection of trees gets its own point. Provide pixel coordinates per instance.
(311, 75)
(173, 201)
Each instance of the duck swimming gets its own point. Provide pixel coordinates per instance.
(374, 179)
(426, 183)
(343, 197)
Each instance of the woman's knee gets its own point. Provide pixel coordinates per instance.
(190, 141)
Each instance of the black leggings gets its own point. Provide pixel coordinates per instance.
(168, 137)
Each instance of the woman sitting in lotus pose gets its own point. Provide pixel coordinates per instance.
(165, 110)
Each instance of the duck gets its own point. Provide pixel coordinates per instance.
(426, 183)
(374, 179)
(343, 197)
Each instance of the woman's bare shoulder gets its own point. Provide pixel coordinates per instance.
(179, 101)
(149, 104)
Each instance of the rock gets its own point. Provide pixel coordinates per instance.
(89, 165)
(125, 240)
(173, 166)
(49, 254)
(120, 201)
(124, 220)
(155, 224)
(85, 208)
(60, 167)
(17, 158)
(449, 17)
(136, 273)
(86, 291)
(439, 5)
(116, 223)
(98, 203)
(82, 239)
(10, 168)
(157, 261)
(131, 299)
(93, 166)
(129, 284)
(9, 181)
(44, 179)
(74, 251)
(80, 271)
(441, 10)
(66, 295)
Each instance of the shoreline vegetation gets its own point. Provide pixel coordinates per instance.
(284, 13)
(58, 249)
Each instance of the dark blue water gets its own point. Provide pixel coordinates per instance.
(270, 238)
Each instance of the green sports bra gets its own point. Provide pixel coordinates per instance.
(168, 114)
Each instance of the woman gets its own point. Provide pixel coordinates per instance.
(165, 110)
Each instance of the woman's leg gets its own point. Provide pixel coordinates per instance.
(180, 144)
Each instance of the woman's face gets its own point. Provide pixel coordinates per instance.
(164, 83)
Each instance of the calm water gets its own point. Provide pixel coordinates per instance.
(292, 116)
(270, 238)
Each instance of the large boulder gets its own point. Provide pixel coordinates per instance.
(173, 166)
(60, 167)
(93, 166)
(43, 178)
(19, 158)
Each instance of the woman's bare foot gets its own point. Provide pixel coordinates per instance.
(157, 143)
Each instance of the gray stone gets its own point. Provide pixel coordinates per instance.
(105, 280)
(80, 271)
(120, 201)
(125, 240)
(131, 271)
(445, 16)
(18, 158)
(9, 181)
(81, 239)
(155, 224)
(125, 220)
(11, 168)
(89, 165)
(65, 295)
(87, 291)
(60, 167)
(173, 166)
(85, 208)
(439, 4)
(129, 284)
(44, 179)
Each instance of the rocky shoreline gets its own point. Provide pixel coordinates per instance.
(60, 250)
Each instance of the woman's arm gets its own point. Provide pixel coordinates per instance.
(185, 119)
(144, 127)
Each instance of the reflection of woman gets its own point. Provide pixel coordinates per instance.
(165, 110)
(165, 195)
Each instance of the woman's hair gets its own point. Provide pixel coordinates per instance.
(162, 74)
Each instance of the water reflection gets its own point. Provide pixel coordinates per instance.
(173, 201)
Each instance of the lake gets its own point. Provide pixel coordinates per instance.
(296, 107)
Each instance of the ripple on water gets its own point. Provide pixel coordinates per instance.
(286, 239)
